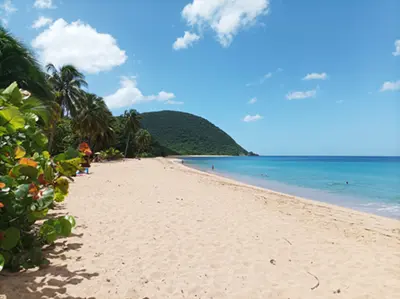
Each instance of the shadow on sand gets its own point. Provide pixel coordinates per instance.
(48, 282)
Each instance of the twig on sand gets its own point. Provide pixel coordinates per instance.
(317, 285)
(287, 241)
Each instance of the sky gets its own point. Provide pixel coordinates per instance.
(282, 77)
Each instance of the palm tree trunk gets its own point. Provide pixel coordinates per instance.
(51, 137)
(127, 144)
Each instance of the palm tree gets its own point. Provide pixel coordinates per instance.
(67, 83)
(132, 125)
(17, 64)
(143, 140)
(93, 121)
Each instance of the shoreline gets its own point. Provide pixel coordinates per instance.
(177, 161)
(155, 228)
(355, 202)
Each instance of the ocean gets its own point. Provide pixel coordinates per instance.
(368, 184)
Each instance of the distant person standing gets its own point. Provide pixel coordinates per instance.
(212, 167)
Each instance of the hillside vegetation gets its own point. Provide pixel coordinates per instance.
(188, 134)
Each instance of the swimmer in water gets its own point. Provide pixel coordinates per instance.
(212, 167)
(347, 183)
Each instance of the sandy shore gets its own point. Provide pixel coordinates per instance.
(156, 229)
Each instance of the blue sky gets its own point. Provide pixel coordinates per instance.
(282, 77)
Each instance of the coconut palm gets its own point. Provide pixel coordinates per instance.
(67, 83)
(143, 140)
(132, 125)
(92, 122)
(17, 64)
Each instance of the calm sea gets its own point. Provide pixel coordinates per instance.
(373, 183)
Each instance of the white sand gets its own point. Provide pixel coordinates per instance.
(156, 229)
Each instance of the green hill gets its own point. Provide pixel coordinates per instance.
(188, 134)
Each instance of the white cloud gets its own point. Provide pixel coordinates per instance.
(298, 95)
(6, 10)
(391, 86)
(397, 46)
(43, 4)
(187, 40)
(170, 102)
(340, 102)
(80, 45)
(252, 101)
(225, 18)
(250, 118)
(261, 80)
(316, 76)
(42, 22)
(129, 94)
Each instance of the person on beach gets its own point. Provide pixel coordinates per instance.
(212, 167)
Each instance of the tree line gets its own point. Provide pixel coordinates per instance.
(75, 114)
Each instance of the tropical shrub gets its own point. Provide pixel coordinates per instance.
(110, 155)
(31, 182)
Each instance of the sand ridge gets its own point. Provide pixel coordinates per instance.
(157, 229)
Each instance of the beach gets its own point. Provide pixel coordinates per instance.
(154, 228)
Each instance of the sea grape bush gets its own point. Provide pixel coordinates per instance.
(109, 155)
(31, 182)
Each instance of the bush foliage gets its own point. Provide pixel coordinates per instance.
(31, 182)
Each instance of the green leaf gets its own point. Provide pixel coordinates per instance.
(37, 215)
(60, 157)
(7, 257)
(15, 96)
(45, 200)
(69, 167)
(29, 171)
(72, 153)
(61, 189)
(35, 106)
(66, 227)
(12, 119)
(22, 191)
(48, 173)
(46, 155)
(48, 231)
(40, 139)
(71, 220)
(2, 261)
(10, 239)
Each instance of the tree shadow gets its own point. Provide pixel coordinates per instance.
(51, 284)
(46, 282)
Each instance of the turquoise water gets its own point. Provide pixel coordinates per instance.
(373, 182)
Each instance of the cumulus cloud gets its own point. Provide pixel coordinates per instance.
(80, 45)
(299, 95)
(225, 18)
(7, 8)
(129, 94)
(250, 118)
(391, 86)
(252, 101)
(316, 76)
(397, 48)
(185, 41)
(42, 22)
(43, 4)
